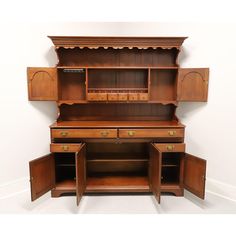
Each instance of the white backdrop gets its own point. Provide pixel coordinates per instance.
(211, 127)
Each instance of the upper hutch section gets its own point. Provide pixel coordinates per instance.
(117, 51)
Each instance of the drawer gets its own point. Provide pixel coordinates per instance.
(112, 96)
(122, 96)
(151, 133)
(84, 133)
(133, 97)
(97, 96)
(64, 147)
(143, 96)
(170, 147)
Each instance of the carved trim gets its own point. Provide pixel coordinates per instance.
(70, 42)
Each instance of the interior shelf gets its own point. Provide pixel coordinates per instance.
(117, 67)
(118, 183)
(67, 184)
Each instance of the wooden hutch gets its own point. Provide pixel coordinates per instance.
(116, 129)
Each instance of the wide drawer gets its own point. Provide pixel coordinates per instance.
(64, 147)
(84, 133)
(151, 133)
(170, 147)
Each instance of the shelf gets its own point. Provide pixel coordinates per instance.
(71, 102)
(118, 89)
(118, 67)
(67, 185)
(170, 165)
(118, 184)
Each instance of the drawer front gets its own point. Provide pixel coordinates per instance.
(84, 133)
(143, 96)
(97, 97)
(170, 147)
(133, 96)
(112, 96)
(102, 96)
(64, 147)
(151, 133)
(122, 96)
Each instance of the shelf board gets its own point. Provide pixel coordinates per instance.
(67, 185)
(170, 165)
(71, 102)
(118, 184)
(118, 89)
(118, 67)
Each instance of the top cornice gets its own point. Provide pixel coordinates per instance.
(116, 42)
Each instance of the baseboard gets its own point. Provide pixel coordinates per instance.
(14, 187)
(221, 189)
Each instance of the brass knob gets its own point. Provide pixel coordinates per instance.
(104, 133)
(65, 148)
(64, 133)
(131, 133)
(170, 147)
(171, 133)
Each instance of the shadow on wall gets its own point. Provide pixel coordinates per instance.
(186, 109)
(48, 109)
(51, 56)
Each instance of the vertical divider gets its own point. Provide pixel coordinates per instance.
(86, 84)
(149, 83)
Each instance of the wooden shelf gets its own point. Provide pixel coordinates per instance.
(118, 184)
(118, 89)
(118, 67)
(67, 185)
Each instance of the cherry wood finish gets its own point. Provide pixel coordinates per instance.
(42, 175)
(116, 129)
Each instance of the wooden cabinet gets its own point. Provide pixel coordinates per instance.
(117, 130)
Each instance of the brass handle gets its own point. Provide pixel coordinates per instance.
(171, 133)
(131, 133)
(104, 133)
(170, 147)
(65, 148)
(64, 133)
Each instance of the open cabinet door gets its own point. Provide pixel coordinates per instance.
(80, 162)
(195, 175)
(193, 84)
(42, 84)
(42, 175)
(155, 171)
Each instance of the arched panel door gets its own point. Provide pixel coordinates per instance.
(42, 84)
(193, 84)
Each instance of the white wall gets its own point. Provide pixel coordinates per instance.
(211, 127)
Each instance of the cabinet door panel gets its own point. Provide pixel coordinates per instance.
(42, 175)
(80, 173)
(42, 84)
(155, 171)
(193, 84)
(194, 175)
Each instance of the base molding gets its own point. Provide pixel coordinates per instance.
(221, 189)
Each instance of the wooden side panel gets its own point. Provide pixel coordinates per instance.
(194, 175)
(155, 171)
(42, 175)
(193, 84)
(42, 84)
(80, 163)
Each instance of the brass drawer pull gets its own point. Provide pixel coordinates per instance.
(131, 133)
(64, 133)
(171, 133)
(170, 147)
(104, 133)
(65, 148)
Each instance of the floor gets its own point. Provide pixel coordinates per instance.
(115, 204)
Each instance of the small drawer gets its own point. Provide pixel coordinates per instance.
(102, 96)
(122, 96)
(84, 133)
(64, 147)
(133, 97)
(92, 96)
(143, 96)
(112, 96)
(170, 147)
(151, 133)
